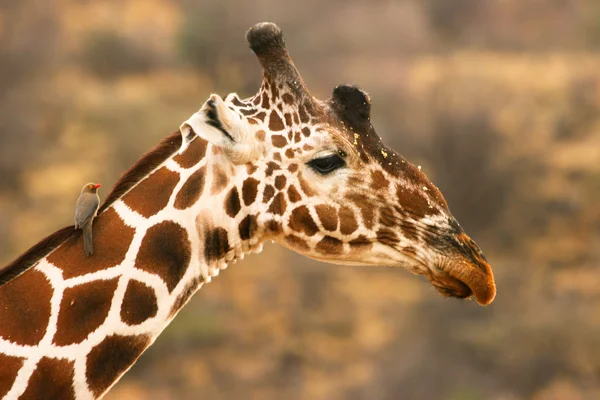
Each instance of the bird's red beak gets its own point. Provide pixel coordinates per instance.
(96, 186)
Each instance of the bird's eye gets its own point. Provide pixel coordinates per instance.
(327, 164)
(91, 186)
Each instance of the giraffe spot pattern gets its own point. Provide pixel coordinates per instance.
(191, 190)
(52, 379)
(293, 168)
(278, 205)
(9, 368)
(306, 132)
(112, 239)
(410, 250)
(265, 100)
(25, 308)
(216, 244)
(275, 122)
(288, 119)
(273, 227)
(139, 303)
(293, 194)
(277, 157)
(261, 116)
(280, 182)
(268, 193)
(278, 141)
(328, 216)
(409, 230)
(387, 217)
(296, 243)
(232, 202)
(378, 181)
(413, 202)
(367, 210)
(330, 245)
(110, 359)
(361, 243)
(251, 168)
(249, 190)
(166, 252)
(305, 186)
(82, 310)
(220, 180)
(287, 98)
(260, 135)
(248, 227)
(152, 194)
(347, 219)
(388, 237)
(193, 154)
(301, 221)
(289, 153)
(271, 167)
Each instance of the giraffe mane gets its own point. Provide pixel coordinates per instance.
(146, 164)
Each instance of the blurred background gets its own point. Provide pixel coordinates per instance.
(498, 101)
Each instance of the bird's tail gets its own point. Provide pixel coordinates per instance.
(88, 244)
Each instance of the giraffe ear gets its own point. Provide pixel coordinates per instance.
(352, 105)
(222, 127)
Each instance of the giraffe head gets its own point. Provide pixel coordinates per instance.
(314, 176)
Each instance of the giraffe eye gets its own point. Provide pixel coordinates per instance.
(325, 165)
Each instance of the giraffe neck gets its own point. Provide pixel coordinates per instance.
(84, 321)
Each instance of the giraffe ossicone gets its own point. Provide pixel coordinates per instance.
(281, 165)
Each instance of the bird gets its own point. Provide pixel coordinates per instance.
(85, 212)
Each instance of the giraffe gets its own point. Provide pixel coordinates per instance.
(310, 175)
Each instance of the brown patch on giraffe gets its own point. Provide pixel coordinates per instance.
(273, 227)
(307, 147)
(191, 190)
(261, 116)
(305, 186)
(236, 101)
(296, 118)
(287, 98)
(347, 219)
(112, 239)
(280, 182)
(288, 119)
(409, 230)
(248, 227)
(249, 190)
(301, 221)
(52, 379)
(232, 202)
(388, 237)
(303, 114)
(278, 205)
(216, 244)
(25, 308)
(413, 202)
(83, 309)
(379, 181)
(166, 252)
(268, 193)
(293, 194)
(193, 154)
(361, 243)
(274, 91)
(328, 216)
(110, 358)
(297, 137)
(139, 303)
(271, 167)
(265, 100)
(409, 250)
(367, 210)
(251, 168)
(246, 112)
(260, 135)
(289, 153)
(387, 217)
(306, 131)
(330, 245)
(220, 180)
(296, 243)
(279, 141)
(252, 121)
(9, 368)
(275, 122)
(152, 194)
(277, 157)
(256, 100)
(293, 168)
(290, 135)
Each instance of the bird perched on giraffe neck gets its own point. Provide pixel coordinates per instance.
(85, 212)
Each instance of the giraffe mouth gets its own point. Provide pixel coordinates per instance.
(463, 281)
